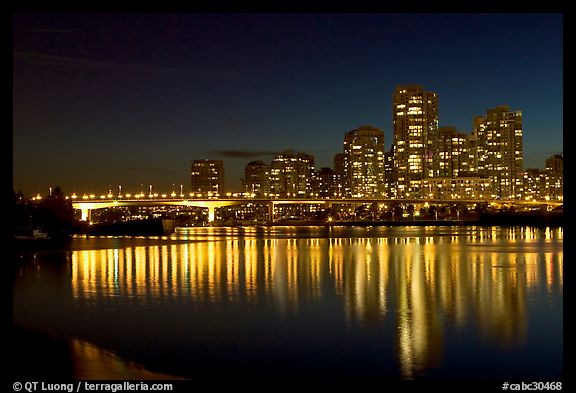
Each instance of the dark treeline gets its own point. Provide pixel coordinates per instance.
(52, 214)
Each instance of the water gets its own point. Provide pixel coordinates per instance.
(395, 303)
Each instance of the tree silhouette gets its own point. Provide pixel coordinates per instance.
(54, 214)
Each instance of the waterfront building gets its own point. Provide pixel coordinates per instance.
(462, 187)
(389, 174)
(452, 152)
(468, 157)
(534, 184)
(499, 150)
(555, 177)
(339, 163)
(415, 127)
(257, 179)
(364, 163)
(207, 178)
(291, 175)
(326, 184)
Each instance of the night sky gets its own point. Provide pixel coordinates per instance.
(101, 100)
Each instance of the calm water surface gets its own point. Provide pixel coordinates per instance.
(395, 303)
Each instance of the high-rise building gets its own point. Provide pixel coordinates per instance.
(257, 179)
(499, 151)
(389, 174)
(339, 164)
(415, 126)
(555, 164)
(326, 184)
(291, 175)
(364, 163)
(555, 177)
(534, 185)
(208, 177)
(452, 152)
(469, 157)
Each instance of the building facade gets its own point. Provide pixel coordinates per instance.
(499, 151)
(364, 163)
(390, 177)
(555, 177)
(452, 152)
(291, 175)
(257, 179)
(326, 184)
(207, 178)
(415, 127)
(534, 184)
(462, 187)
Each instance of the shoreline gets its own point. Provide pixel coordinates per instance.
(508, 219)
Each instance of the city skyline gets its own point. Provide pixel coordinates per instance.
(112, 100)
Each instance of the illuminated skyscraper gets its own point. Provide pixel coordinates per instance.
(257, 179)
(291, 175)
(555, 177)
(364, 163)
(534, 184)
(415, 126)
(208, 177)
(326, 184)
(452, 148)
(499, 150)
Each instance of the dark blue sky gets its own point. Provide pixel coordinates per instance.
(106, 99)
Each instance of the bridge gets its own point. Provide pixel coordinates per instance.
(87, 204)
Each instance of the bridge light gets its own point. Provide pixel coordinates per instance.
(173, 194)
(155, 195)
(110, 195)
(163, 195)
(74, 196)
(85, 196)
(102, 196)
(92, 195)
(129, 195)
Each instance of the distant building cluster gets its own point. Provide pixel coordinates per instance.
(425, 161)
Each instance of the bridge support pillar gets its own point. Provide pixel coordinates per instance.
(211, 213)
(86, 215)
(271, 212)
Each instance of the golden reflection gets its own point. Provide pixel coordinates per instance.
(90, 362)
(425, 283)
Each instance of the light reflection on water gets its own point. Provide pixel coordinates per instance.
(423, 294)
(92, 363)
